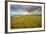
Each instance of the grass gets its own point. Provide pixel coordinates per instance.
(26, 21)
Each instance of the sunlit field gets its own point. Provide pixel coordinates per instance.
(26, 21)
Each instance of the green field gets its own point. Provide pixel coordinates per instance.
(26, 21)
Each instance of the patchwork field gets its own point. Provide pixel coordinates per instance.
(26, 21)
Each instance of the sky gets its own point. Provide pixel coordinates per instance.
(24, 9)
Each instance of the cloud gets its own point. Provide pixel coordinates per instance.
(23, 9)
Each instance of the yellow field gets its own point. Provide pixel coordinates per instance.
(27, 21)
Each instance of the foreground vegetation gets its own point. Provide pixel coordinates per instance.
(26, 21)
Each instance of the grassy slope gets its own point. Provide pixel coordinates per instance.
(25, 21)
